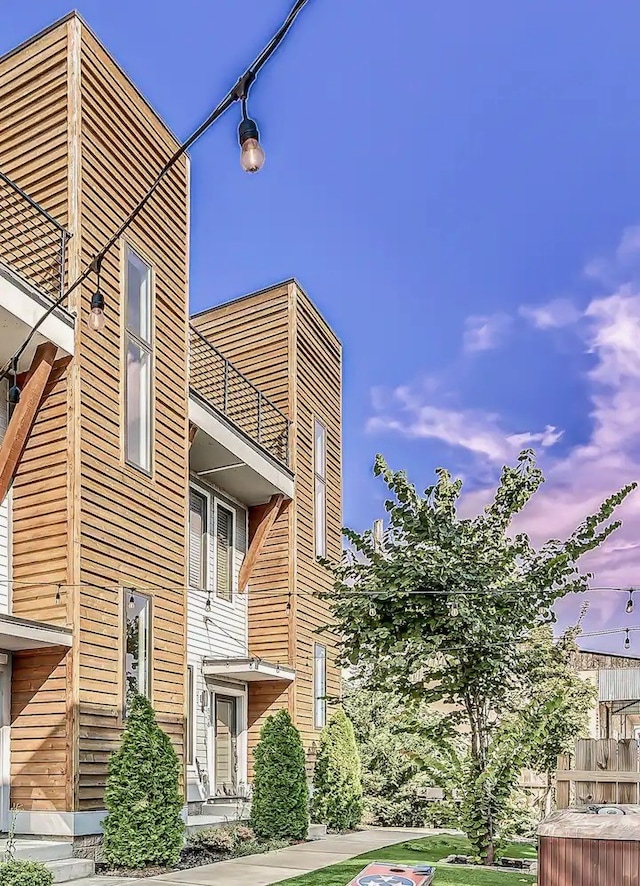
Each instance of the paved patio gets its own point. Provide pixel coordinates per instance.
(262, 870)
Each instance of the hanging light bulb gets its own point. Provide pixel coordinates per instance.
(207, 605)
(95, 320)
(14, 390)
(132, 602)
(629, 606)
(627, 641)
(251, 153)
(58, 595)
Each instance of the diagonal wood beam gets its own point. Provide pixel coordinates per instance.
(261, 519)
(193, 430)
(21, 422)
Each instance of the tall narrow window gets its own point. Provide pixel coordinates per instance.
(319, 686)
(320, 488)
(190, 721)
(198, 522)
(224, 553)
(137, 659)
(138, 357)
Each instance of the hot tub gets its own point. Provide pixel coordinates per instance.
(590, 846)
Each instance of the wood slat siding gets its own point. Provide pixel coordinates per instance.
(41, 684)
(80, 139)
(132, 527)
(279, 340)
(576, 862)
(33, 120)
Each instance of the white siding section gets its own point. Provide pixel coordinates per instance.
(5, 510)
(221, 632)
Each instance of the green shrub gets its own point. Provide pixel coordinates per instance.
(217, 841)
(18, 872)
(337, 784)
(142, 795)
(280, 804)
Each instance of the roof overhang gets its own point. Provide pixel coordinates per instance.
(246, 670)
(21, 307)
(22, 633)
(223, 454)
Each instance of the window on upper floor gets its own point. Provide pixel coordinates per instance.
(137, 640)
(319, 685)
(224, 531)
(138, 355)
(198, 535)
(320, 488)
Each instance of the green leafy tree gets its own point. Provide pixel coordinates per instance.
(280, 800)
(443, 611)
(553, 676)
(337, 783)
(392, 775)
(144, 825)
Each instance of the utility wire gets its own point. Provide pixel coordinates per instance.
(238, 93)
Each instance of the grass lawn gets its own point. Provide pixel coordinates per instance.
(424, 850)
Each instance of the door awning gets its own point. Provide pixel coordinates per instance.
(246, 669)
(22, 633)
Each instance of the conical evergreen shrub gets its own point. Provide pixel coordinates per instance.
(280, 800)
(142, 795)
(337, 782)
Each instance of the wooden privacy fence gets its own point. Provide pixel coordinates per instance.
(601, 771)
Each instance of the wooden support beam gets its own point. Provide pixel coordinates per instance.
(193, 430)
(262, 518)
(24, 414)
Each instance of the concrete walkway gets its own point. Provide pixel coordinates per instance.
(262, 870)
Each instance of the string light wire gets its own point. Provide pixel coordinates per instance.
(239, 92)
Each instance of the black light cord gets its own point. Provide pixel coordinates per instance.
(238, 93)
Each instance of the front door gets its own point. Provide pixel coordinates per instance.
(225, 746)
(5, 738)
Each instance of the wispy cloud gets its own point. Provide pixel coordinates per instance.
(409, 412)
(485, 332)
(579, 479)
(552, 315)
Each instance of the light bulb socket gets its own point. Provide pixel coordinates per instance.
(97, 301)
(247, 129)
(14, 394)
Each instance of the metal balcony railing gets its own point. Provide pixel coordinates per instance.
(32, 243)
(218, 381)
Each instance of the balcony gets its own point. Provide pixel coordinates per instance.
(32, 264)
(242, 443)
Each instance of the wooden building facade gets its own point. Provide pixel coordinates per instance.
(117, 432)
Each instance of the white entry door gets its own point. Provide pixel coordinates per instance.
(227, 745)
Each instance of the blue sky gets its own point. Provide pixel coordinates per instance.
(457, 187)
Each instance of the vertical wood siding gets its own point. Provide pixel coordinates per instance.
(565, 862)
(132, 526)
(281, 343)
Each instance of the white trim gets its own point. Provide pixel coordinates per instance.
(26, 303)
(233, 441)
(5, 743)
(245, 670)
(21, 633)
(64, 824)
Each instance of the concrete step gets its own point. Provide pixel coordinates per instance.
(202, 822)
(231, 810)
(39, 850)
(67, 869)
